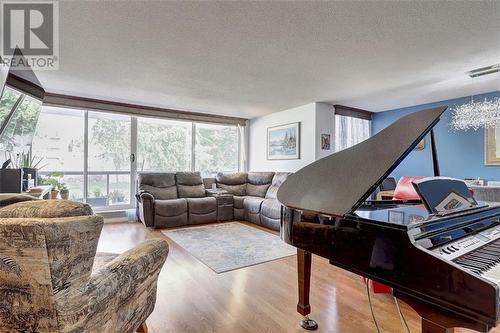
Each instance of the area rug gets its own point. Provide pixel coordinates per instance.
(228, 246)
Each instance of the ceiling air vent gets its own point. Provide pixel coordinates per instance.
(484, 70)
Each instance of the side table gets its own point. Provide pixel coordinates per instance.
(225, 203)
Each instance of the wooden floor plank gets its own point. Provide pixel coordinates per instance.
(261, 298)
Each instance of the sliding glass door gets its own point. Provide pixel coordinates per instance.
(108, 160)
(164, 145)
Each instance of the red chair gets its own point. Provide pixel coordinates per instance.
(403, 191)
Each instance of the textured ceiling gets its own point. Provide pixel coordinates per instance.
(252, 58)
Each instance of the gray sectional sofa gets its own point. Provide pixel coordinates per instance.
(178, 199)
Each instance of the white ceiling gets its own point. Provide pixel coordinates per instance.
(252, 58)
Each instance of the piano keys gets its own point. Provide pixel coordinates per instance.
(446, 266)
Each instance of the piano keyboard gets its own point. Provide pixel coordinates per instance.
(479, 254)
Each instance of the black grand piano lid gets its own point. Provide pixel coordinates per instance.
(339, 183)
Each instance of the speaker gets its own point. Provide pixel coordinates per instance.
(11, 180)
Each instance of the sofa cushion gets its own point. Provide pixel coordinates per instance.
(236, 178)
(252, 204)
(258, 183)
(161, 185)
(234, 189)
(202, 205)
(191, 191)
(278, 179)
(271, 208)
(172, 207)
(45, 209)
(234, 183)
(238, 201)
(190, 185)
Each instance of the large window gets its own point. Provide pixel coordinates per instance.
(59, 139)
(163, 145)
(350, 131)
(18, 118)
(216, 148)
(93, 153)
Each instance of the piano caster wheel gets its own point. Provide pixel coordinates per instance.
(308, 324)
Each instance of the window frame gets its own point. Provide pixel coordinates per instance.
(134, 120)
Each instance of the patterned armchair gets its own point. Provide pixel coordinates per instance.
(50, 282)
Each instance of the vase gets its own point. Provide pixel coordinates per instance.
(53, 194)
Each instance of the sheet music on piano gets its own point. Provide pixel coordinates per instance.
(444, 195)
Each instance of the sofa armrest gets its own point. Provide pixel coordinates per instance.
(123, 289)
(146, 208)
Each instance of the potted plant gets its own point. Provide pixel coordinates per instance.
(52, 179)
(30, 165)
(64, 192)
(117, 197)
(98, 199)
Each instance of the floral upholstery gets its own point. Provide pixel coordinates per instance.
(46, 209)
(48, 283)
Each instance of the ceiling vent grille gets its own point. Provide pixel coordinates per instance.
(484, 71)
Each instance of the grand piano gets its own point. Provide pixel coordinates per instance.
(445, 266)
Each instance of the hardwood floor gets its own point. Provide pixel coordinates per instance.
(261, 298)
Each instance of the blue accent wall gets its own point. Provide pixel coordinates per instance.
(460, 153)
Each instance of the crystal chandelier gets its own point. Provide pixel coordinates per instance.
(480, 114)
(475, 115)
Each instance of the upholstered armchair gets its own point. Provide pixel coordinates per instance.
(52, 281)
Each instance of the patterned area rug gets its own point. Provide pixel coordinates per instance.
(228, 246)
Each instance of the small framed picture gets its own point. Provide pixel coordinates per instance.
(415, 218)
(492, 146)
(396, 216)
(325, 141)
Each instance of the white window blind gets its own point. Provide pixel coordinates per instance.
(350, 131)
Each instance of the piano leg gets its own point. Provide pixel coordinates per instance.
(432, 327)
(304, 260)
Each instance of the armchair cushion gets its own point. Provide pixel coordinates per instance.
(190, 185)
(10, 198)
(46, 209)
(161, 185)
(119, 295)
(258, 183)
(405, 190)
(102, 258)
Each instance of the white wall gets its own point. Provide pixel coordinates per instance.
(314, 118)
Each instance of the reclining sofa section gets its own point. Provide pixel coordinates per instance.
(177, 199)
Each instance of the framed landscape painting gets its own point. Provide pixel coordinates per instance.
(492, 146)
(283, 142)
